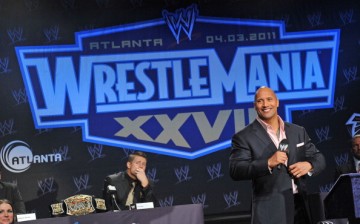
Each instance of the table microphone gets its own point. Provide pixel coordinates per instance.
(283, 147)
(112, 191)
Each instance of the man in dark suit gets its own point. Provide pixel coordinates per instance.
(11, 192)
(353, 164)
(278, 177)
(132, 186)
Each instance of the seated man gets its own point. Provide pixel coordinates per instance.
(353, 165)
(132, 186)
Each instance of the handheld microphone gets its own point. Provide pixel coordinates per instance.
(112, 191)
(283, 146)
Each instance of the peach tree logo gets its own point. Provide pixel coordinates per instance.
(180, 85)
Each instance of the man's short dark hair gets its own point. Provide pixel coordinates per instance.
(137, 153)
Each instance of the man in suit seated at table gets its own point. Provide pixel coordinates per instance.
(353, 164)
(132, 186)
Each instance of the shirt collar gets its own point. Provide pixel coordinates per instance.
(267, 126)
(357, 163)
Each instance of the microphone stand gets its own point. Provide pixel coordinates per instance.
(115, 203)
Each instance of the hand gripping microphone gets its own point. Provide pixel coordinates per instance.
(283, 146)
(112, 191)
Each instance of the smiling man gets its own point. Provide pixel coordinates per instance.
(278, 176)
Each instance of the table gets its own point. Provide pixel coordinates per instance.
(179, 214)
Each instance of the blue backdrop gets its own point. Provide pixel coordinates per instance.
(53, 149)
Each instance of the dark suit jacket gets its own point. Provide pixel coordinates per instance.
(272, 191)
(122, 183)
(10, 192)
(348, 167)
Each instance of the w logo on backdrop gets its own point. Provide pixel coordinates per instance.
(82, 182)
(166, 202)
(199, 199)
(231, 199)
(46, 185)
(182, 174)
(96, 152)
(214, 171)
(182, 19)
(7, 127)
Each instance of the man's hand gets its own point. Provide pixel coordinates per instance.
(279, 157)
(300, 169)
(141, 176)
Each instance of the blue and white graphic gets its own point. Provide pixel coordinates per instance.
(144, 86)
(17, 157)
(354, 121)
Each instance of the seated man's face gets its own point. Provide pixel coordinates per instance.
(139, 163)
(356, 148)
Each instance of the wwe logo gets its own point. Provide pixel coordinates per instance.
(151, 173)
(95, 151)
(46, 185)
(326, 188)
(19, 96)
(315, 19)
(7, 128)
(231, 199)
(182, 19)
(350, 73)
(52, 34)
(4, 65)
(199, 199)
(347, 17)
(339, 104)
(342, 159)
(182, 174)
(15, 34)
(63, 151)
(323, 133)
(214, 171)
(354, 121)
(167, 202)
(82, 182)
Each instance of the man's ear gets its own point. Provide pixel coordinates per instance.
(128, 165)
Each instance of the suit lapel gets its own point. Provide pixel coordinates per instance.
(291, 137)
(263, 136)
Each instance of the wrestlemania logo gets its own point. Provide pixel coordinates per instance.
(181, 85)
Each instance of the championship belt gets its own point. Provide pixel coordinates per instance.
(100, 204)
(78, 205)
(57, 209)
